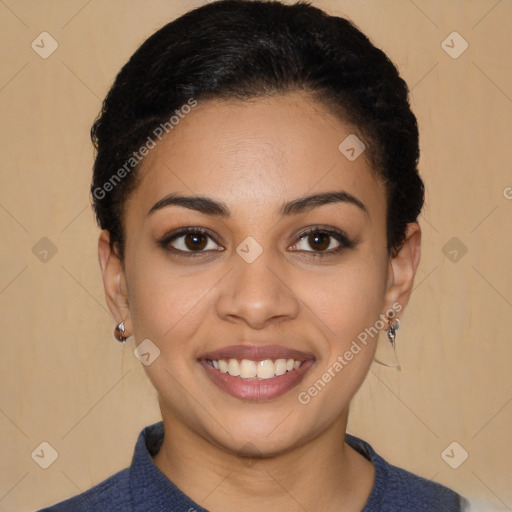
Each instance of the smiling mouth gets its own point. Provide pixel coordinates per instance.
(260, 370)
(256, 372)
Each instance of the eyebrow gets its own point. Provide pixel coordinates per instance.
(209, 206)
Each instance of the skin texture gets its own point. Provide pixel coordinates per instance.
(253, 156)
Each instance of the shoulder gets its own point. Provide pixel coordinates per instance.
(405, 490)
(398, 490)
(139, 488)
(112, 494)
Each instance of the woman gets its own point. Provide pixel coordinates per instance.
(257, 188)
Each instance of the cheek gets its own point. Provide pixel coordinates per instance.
(347, 299)
(348, 303)
(167, 299)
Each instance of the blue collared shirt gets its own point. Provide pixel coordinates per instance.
(144, 488)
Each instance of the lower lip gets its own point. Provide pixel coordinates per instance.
(254, 389)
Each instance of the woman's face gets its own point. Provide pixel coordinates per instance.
(285, 259)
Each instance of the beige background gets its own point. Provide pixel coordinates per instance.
(67, 382)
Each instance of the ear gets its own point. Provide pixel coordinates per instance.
(114, 282)
(402, 270)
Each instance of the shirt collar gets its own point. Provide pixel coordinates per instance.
(150, 488)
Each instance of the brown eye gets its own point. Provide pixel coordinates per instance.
(322, 241)
(319, 241)
(195, 241)
(190, 240)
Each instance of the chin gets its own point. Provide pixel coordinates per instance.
(261, 434)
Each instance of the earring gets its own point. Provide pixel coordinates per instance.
(391, 332)
(382, 350)
(119, 332)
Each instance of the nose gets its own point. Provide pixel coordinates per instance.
(256, 294)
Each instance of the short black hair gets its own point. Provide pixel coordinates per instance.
(242, 49)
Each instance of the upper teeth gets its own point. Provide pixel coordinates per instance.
(247, 369)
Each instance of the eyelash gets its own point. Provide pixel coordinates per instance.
(338, 235)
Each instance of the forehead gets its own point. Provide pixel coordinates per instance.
(261, 151)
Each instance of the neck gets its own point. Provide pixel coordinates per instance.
(323, 473)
